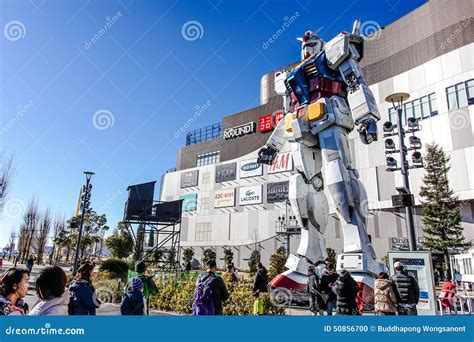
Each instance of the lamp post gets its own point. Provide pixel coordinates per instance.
(86, 193)
(405, 197)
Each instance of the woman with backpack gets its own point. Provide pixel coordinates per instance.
(209, 293)
(83, 300)
(385, 297)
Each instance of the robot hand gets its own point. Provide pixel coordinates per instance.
(266, 155)
(368, 131)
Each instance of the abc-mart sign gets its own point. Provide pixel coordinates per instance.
(238, 131)
(250, 195)
(250, 168)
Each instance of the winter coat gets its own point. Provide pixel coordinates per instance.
(346, 290)
(83, 300)
(408, 291)
(52, 307)
(384, 296)
(5, 303)
(133, 304)
(327, 279)
(219, 291)
(261, 281)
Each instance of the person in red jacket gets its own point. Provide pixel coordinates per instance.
(448, 296)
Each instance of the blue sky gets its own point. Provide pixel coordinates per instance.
(104, 85)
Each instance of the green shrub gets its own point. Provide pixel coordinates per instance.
(115, 267)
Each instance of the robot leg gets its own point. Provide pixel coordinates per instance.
(310, 208)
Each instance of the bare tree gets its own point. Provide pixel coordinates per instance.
(58, 226)
(11, 245)
(30, 221)
(7, 169)
(22, 241)
(42, 236)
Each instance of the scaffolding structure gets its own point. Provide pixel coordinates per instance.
(287, 226)
(166, 238)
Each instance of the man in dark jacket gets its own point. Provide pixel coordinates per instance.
(408, 291)
(312, 289)
(219, 291)
(261, 279)
(328, 280)
(346, 289)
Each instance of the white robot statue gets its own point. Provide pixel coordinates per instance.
(325, 97)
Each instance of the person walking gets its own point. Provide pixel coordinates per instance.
(134, 301)
(29, 263)
(408, 291)
(448, 296)
(13, 288)
(312, 288)
(261, 279)
(51, 290)
(346, 290)
(83, 300)
(209, 293)
(328, 280)
(385, 298)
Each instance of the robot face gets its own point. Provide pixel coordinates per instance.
(311, 44)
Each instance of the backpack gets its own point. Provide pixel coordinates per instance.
(202, 300)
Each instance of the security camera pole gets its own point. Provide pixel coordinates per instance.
(85, 206)
(405, 195)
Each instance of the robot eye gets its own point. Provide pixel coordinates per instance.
(311, 44)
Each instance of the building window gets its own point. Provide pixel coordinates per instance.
(208, 158)
(203, 134)
(203, 231)
(421, 108)
(460, 95)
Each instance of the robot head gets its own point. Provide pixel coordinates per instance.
(311, 43)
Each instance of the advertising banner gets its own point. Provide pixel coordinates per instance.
(224, 198)
(418, 265)
(226, 172)
(277, 192)
(189, 202)
(250, 195)
(250, 168)
(189, 179)
(283, 162)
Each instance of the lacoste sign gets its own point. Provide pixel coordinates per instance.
(238, 131)
(250, 195)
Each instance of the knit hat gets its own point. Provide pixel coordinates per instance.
(136, 284)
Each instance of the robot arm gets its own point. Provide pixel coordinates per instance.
(343, 53)
(275, 143)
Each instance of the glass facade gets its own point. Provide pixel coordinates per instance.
(208, 158)
(207, 133)
(460, 95)
(421, 108)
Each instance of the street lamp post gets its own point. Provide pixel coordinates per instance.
(85, 205)
(405, 197)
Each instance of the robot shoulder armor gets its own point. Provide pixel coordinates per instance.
(337, 50)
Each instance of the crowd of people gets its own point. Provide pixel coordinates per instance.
(329, 292)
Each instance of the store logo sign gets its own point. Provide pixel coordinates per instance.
(238, 131)
(283, 162)
(250, 195)
(269, 122)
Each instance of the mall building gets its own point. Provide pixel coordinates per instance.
(231, 201)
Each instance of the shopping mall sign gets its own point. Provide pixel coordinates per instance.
(238, 131)
(283, 162)
(250, 195)
(189, 202)
(268, 122)
(224, 198)
(250, 168)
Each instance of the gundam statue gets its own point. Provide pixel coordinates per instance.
(325, 97)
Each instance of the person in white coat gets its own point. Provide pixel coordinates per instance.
(51, 290)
